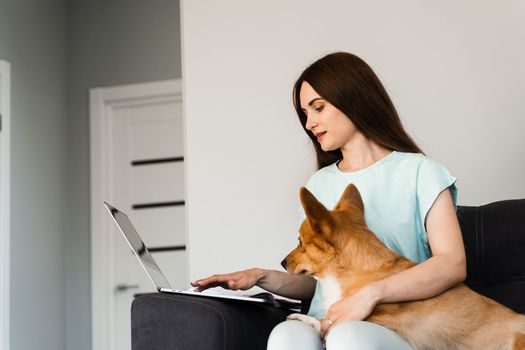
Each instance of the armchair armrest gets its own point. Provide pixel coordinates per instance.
(181, 322)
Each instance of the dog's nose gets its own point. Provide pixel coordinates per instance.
(283, 263)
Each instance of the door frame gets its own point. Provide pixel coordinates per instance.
(102, 103)
(5, 161)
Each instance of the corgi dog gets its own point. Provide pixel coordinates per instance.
(338, 249)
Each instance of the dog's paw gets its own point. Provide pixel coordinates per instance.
(306, 319)
(296, 316)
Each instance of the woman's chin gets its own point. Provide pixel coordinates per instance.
(327, 148)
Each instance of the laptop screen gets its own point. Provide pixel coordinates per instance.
(135, 242)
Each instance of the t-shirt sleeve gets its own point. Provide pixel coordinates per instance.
(432, 179)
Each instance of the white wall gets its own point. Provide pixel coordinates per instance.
(33, 40)
(455, 70)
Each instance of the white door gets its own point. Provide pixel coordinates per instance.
(143, 165)
(4, 204)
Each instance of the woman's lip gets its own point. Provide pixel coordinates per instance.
(320, 136)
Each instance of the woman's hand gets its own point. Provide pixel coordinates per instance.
(236, 280)
(355, 307)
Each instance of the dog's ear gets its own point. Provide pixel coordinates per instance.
(318, 216)
(351, 199)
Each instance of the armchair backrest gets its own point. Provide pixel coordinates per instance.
(494, 237)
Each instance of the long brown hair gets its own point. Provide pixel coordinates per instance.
(350, 85)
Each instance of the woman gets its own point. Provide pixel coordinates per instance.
(409, 203)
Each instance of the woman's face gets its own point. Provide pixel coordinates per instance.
(332, 128)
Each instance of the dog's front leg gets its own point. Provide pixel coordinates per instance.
(314, 322)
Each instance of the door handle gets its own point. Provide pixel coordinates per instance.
(124, 287)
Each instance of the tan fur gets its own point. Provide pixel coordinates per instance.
(519, 342)
(338, 243)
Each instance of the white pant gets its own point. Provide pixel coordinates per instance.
(348, 335)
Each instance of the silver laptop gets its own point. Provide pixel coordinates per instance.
(157, 277)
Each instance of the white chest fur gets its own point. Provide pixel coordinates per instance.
(331, 290)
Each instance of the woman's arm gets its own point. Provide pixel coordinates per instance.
(282, 283)
(288, 285)
(445, 269)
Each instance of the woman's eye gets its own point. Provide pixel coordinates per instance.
(319, 109)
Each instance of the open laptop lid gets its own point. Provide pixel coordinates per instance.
(158, 279)
(139, 248)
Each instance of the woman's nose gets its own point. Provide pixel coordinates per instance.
(310, 123)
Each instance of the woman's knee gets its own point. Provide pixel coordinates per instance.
(345, 336)
(294, 334)
(350, 335)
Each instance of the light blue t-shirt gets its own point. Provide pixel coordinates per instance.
(397, 191)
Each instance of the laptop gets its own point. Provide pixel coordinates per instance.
(161, 283)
